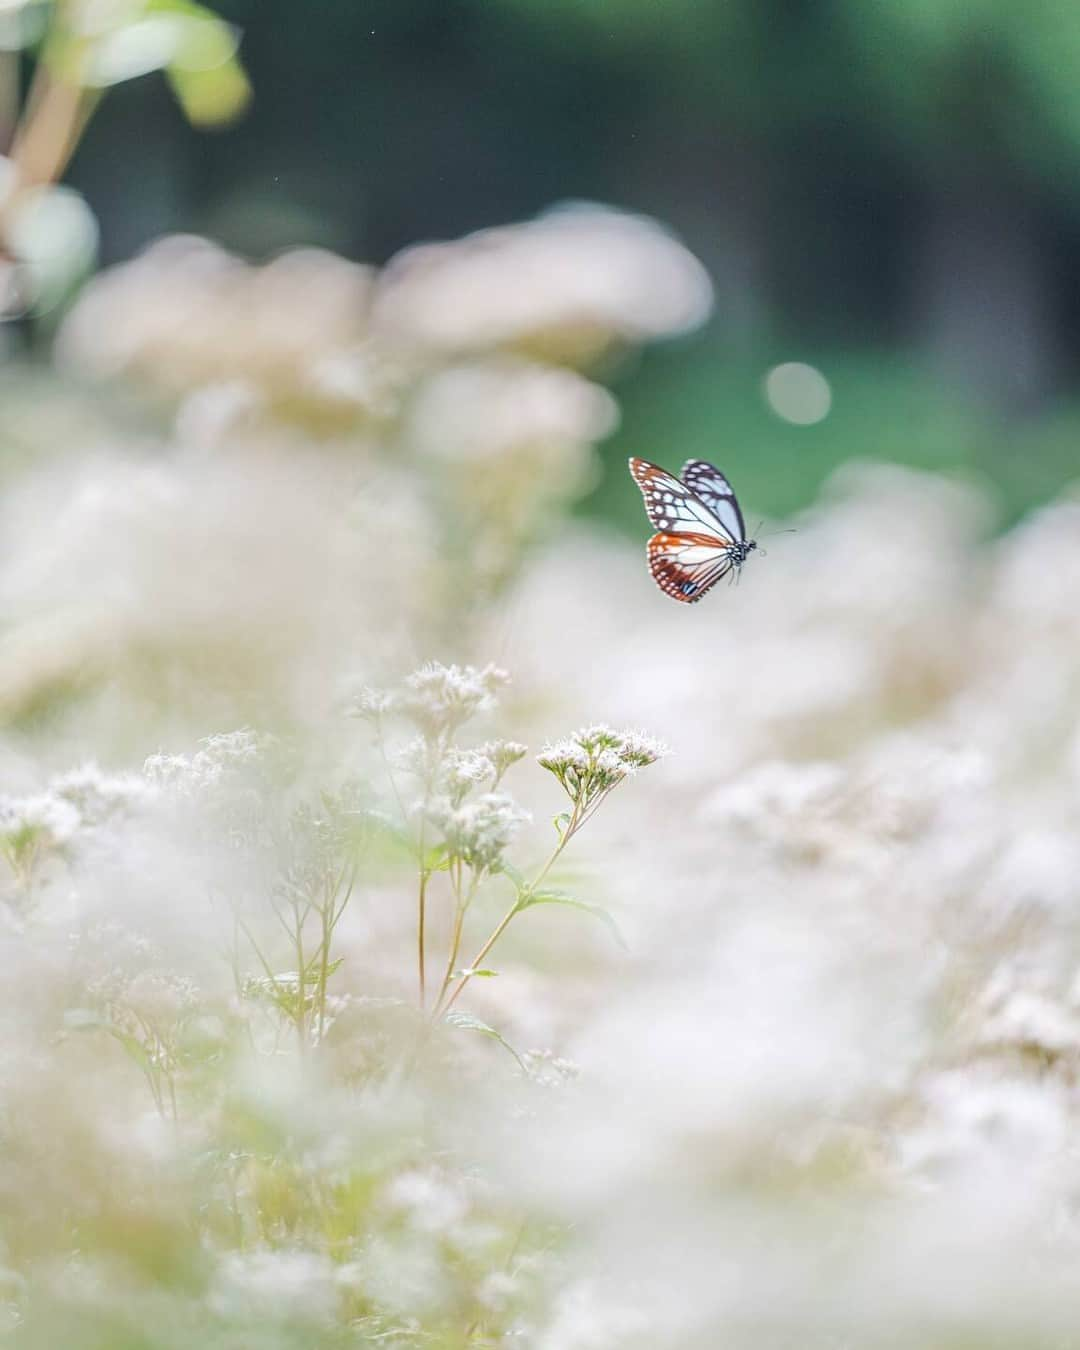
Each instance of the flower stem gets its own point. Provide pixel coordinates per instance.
(520, 902)
(462, 903)
(420, 922)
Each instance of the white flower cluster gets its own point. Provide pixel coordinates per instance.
(313, 336)
(45, 817)
(849, 1019)
(269, 330)
(479, 830)
(349, 425)
(463, 770)
(222, 757)
(595, 759)
(74, 805)
(440, 699)
(485, 412)
(572, 282)
(370, 704)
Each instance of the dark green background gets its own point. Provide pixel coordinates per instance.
(888, 191)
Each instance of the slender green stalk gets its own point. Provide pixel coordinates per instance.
(301, 971)
(420, 922)
(324, 969)
(573, 825)
(461, 907)
(424, 870)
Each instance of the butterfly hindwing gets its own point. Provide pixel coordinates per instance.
(710, 486)
(675, 508)
(685, 566)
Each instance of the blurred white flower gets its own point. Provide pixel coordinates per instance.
(464, 770)
(569, 283)
(435, 1203)
(187, 314)
(586, 1317)
(479, 830)
(484, 410)
(99, 796)
(977, 1117)
(442, 698)
(221, 757)
(279, 1283)
(503, 754)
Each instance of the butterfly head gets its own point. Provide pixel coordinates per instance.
(740, 550)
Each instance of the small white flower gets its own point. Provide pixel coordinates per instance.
(31, 827)
(433, 1201)
(465, 769)
(281, 1284)
(221, 757)
(161, 996)
(440, 698)
(167, 771)
(480, 830)
(371, 704)
(417, 756)
(503, 754)
(97, 796)
(595, 759)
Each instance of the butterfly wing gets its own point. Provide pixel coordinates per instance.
(684, 566)
(710, 486)
(674, 508)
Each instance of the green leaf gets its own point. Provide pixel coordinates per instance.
(467, 1022)
(555, 897)
(210, 97)
(437, 859)
(560, 822)
(313, 972)
(381, 827)
(86, 1019)
(510, 871)
(134, 1049)
(475, 973)
(205, 74)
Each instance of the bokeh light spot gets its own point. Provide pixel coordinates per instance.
(798, 393)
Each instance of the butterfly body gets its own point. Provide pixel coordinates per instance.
(741, 550)
(700, 536)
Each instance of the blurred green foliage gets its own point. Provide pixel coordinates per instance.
(888, 192)
(696, 400)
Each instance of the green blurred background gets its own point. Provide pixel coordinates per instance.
(889, 192)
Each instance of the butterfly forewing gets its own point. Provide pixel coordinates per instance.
(675, 508)
(712, 488)
(684, 566)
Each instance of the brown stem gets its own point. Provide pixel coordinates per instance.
(9, 98)
(49, 131)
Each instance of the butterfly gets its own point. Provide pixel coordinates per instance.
(700, 532)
